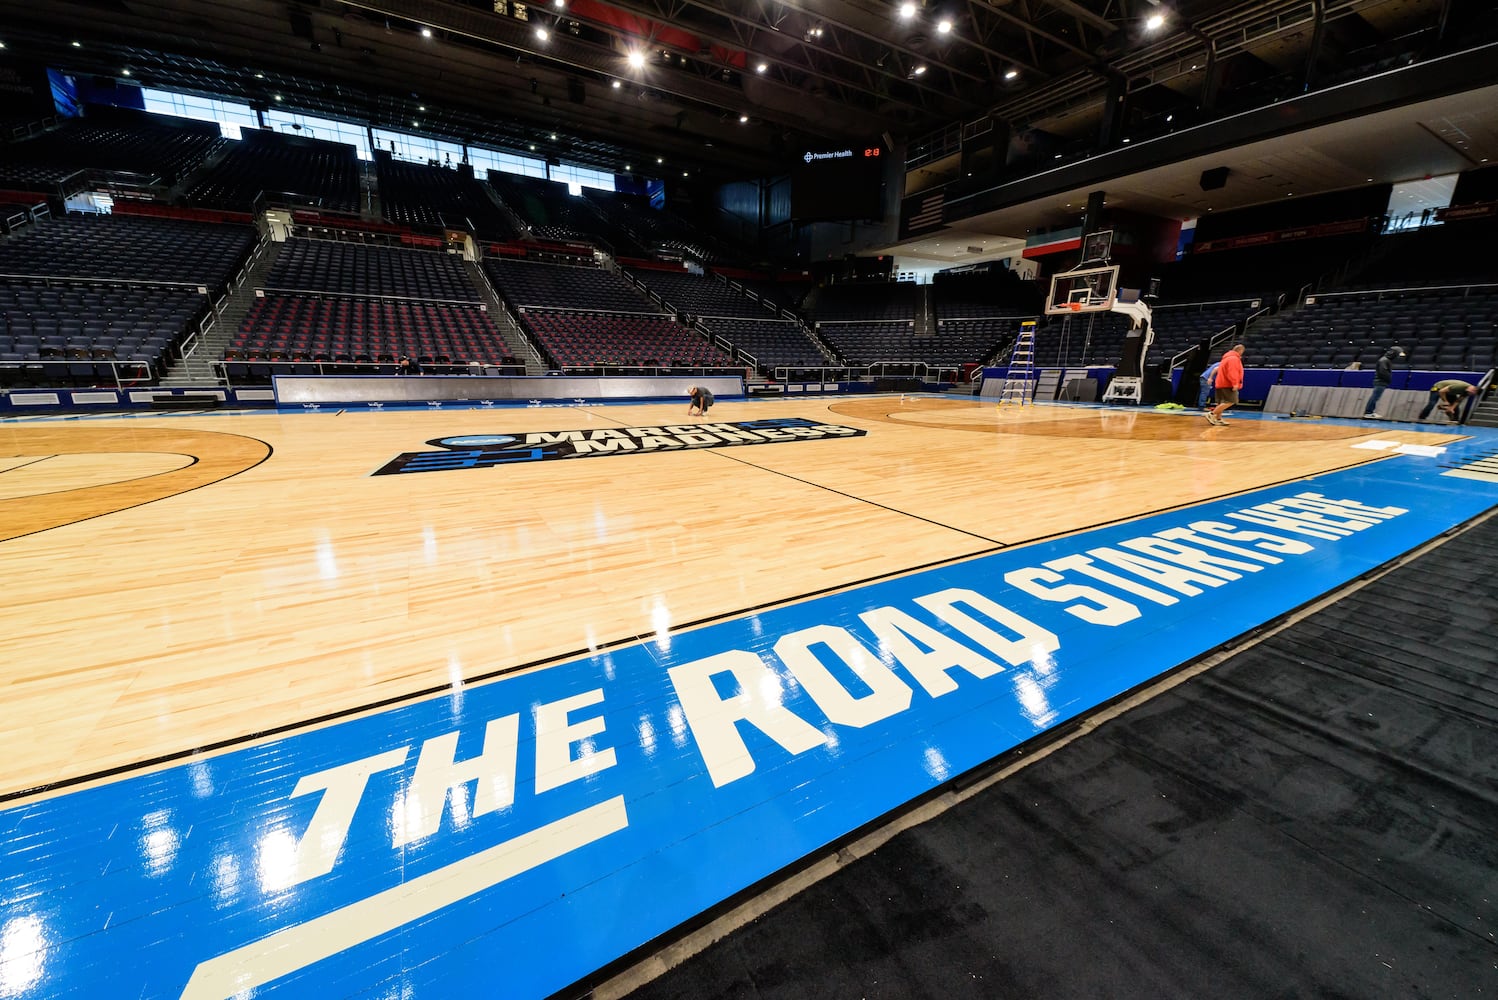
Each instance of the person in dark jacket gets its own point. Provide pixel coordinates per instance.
(1383, 374)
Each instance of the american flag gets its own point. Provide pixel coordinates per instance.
(926, 212)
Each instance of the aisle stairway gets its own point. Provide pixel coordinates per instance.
(197, 369)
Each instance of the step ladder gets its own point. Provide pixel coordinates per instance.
(1019, 383)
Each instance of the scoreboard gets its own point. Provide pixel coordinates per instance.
(839, 183)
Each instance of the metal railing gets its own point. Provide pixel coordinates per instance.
(123, 373)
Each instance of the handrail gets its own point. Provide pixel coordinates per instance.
(1466, 287)
(115, 366)
(198, 286)
(362, 295)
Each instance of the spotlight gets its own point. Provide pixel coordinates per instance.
(553, 137)
(659, 160)
(559, 3)
(683, 173)
(421, 107)
(1011, 74)
(77, 45)
(616, 84)
(426, 32)
(1169, 119)
(542, 34)
(761, 67)
(907, 11)
(919, 70)
(278, 97)
(533, 147)
(415, 123)
(627, 168)
(260, 76)
(742, 118)
(636, 59)
(1155, 22)
(126, 72)
(943, 27)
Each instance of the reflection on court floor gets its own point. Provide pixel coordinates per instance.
(564, 816)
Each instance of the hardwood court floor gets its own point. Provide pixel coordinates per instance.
(181, 581)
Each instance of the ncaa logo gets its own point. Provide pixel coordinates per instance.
(476, 441)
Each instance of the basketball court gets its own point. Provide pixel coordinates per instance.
(414, 701)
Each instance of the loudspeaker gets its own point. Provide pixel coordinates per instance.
(1215, 178)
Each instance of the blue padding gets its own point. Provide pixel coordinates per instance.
(1360, 379)
(1424, 380)
(1310, 376)
(1258, 381)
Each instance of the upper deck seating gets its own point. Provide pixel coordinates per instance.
(129, 248)
(420, 195)
(528, 285)
(293, 169)
(157, 149)
(357, 269)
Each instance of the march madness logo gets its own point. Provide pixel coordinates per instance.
(482, 451)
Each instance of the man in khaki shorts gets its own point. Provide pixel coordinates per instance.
(1229, 382)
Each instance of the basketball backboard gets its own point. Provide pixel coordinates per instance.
(1087, 289)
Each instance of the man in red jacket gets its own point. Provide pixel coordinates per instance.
(1229, 381)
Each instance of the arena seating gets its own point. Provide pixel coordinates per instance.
(308, 265)
(524, 284)
(773, 343)
(158, 150)
(662, 233)
(1455, 329)
(414, 194)
(697, 295)
(314, 328)
(595, 340)
(1179, 326)
(555, 214)
(970, 341)
(293, 169)
(872, 302)
(1087, 339)
(128, 248)
(975, 295)
(780, 294)
(88, 326)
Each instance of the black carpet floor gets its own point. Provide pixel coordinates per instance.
(1315, 817)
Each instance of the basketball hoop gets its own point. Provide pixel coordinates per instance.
(1075, 307)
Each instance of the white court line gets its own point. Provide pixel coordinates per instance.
(1377, 444)
(286, 951)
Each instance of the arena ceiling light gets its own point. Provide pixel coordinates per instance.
(743, 119)
(919, 70)
(1011, 74)
(944, 27)
(542, 34)
(77, 45)
(907, 11)
(426, 32)
(1155, 21)
(615, 84)
(761, 67)
(636, 59)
